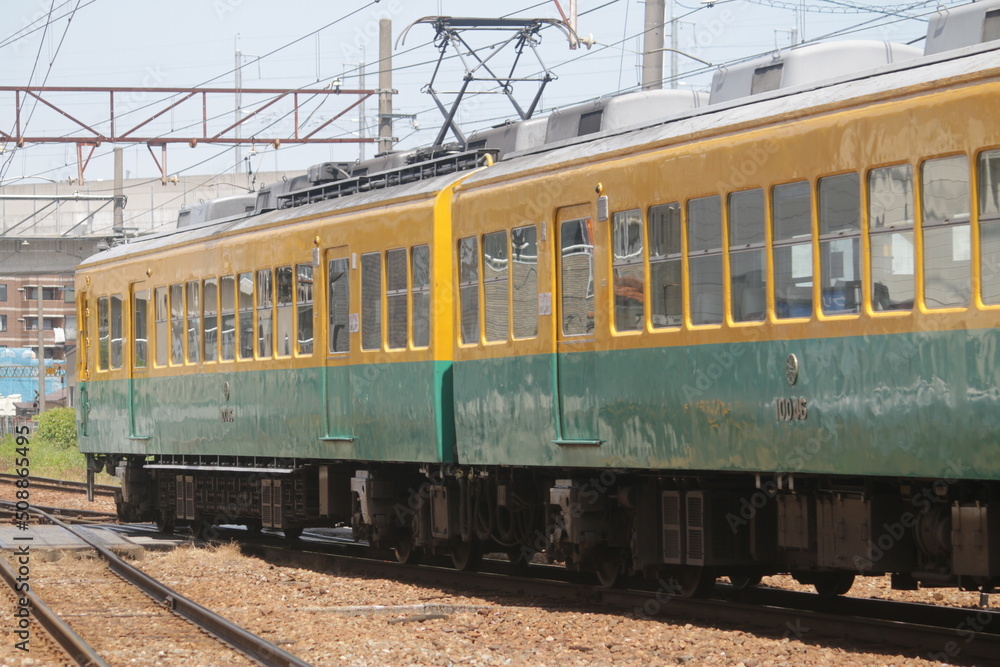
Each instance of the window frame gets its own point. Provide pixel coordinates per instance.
(626, 217)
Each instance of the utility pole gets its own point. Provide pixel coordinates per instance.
(361, 113)
(239, 103)
(41, 349)
(119, 214)
(652, 51)
(385, 85)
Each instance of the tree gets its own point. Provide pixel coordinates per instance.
(58, 426)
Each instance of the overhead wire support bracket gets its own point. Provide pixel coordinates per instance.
(525, 33)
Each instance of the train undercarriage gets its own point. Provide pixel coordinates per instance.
(682, 530)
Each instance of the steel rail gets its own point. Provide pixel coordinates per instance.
(60, 484)
(73, 644)
(943, 632)
(254, 647)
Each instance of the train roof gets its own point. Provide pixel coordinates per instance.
(421, 189)
(754, 110)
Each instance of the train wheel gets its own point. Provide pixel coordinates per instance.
(165, 523)
(832, 584)
(405, 551)
(742, 582)
(609, 569)
(254, 527)
(695, 581)
(467, 556)
(292, 533)
(202, 529)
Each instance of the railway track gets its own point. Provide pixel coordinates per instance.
(67, 514)
(941, 633)
(61, 484)
(229, 636)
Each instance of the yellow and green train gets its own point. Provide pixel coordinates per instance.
(743, 338)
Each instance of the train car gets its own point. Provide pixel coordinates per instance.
(750, 336)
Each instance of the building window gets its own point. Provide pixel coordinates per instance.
(3, 323)
(947, 241)
(989, 225)
(496, 268)
(340, 305)
(890, 228)
(705, 259)
(304, 305)
(840, 243)
(3, 292)
(49, 293)
(524, 276)
(227, 307)
(285, 310)
(629, 282)
(371, 301)
(265, 303)
(210, 320)
(420, 280)
(747, 256)
(177, 324)
(162, 323)
(791, 217)
(395, 297)
(468, 285)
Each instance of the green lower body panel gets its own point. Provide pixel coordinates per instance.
(924, 405)
(381, 412)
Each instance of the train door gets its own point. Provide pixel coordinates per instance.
(576, 419)
(340, 323)
(139, 409)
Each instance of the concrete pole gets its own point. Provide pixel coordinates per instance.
(361, 114)
(674, 45)
(238, 114)
(119, 211)
(385, 85)
(41, 350)
(652, 51)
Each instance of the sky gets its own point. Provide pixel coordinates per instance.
(308, 44)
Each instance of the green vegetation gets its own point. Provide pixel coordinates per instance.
(58, 427)
(52, 449)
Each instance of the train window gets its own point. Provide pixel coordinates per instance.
(193, 322)
(395, 297)
(339, 294)
(524, 274)
(371, 301)
(421, 284)
(947, 244)
(577, 272)
(496, 307)
(665, 277)
(791, 216)
(140, 329)
(210, 321)
(285, 313)
(103, 333)
(245, 304)
(162, 324)
(890, 223)
(747, 256)
(177, 324)
(227, 308)
(265, 303)
(840, 243)
(116, 331)
(989, 224)
(304, 304)
(705, 254)
(468, 285)
(629, 278)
